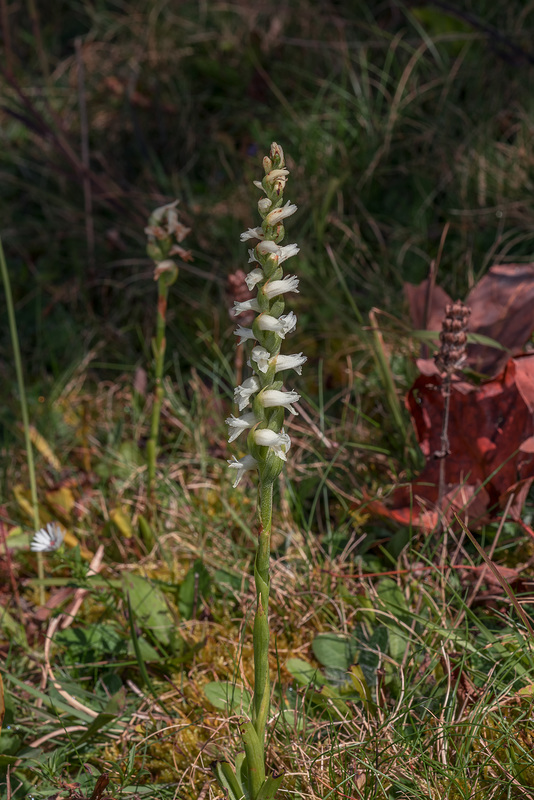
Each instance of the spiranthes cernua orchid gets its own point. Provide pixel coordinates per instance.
(164, 232)
(268, 444)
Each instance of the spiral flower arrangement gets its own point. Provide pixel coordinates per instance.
(267, 444)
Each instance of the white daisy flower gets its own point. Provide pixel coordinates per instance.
(239, 424)
(280, 442)
(48, 538)
(242, 465)
(243, 393)
(283, 325)
(275, 288)
(273, 397)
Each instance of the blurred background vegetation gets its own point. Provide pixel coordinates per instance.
(400, 120)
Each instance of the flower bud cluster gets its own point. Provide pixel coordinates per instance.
(164, 232)
(268, 443)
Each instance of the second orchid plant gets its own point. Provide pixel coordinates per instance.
(267, 445)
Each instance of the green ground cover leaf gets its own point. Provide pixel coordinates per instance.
(304, 672)
(194, 587)
(226, 696)
(334, 651)
(150, 608)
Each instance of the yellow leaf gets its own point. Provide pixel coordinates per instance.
(121, 521)
(21, 496)
(61, 501)
(72, 541)
(44, 448)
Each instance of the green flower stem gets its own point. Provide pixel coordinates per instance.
(24, 412)
(158, 344)
(261, 621)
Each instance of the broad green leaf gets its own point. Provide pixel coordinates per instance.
(92, 642)
(195, 585)
(149, 607)
(334, 650)
(144, 650)
(304, 672)
(228, 697)
(398, 640)
(369, 654)
(393, 599)
(327, 697)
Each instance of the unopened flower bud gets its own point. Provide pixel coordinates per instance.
(277, 155)
(264, 205)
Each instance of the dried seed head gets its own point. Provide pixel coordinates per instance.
(453, 337)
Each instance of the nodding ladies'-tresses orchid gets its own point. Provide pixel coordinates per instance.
(270, 327)
(267, 444)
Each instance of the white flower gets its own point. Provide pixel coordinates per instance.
(244, 334)
(244, 464)
(252, 233)
(243, 393)
(276, 216)
(263, 360)
(280, 442)
(261, 356)
(259, 185)
(245, 305)
(48, 538)
(240, 424)
(276, 174)
(294, 361)
(284, 324)
(272, 397)
(281, 252)
(287, 284)
(254, 277)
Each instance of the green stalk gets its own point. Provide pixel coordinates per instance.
(262, 692)
(158, 344)
(24, 412)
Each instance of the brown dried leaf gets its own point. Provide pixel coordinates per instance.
(501, 308)
(491, 431)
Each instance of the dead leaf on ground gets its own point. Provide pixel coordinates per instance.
(501, 308)
(491, 430)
